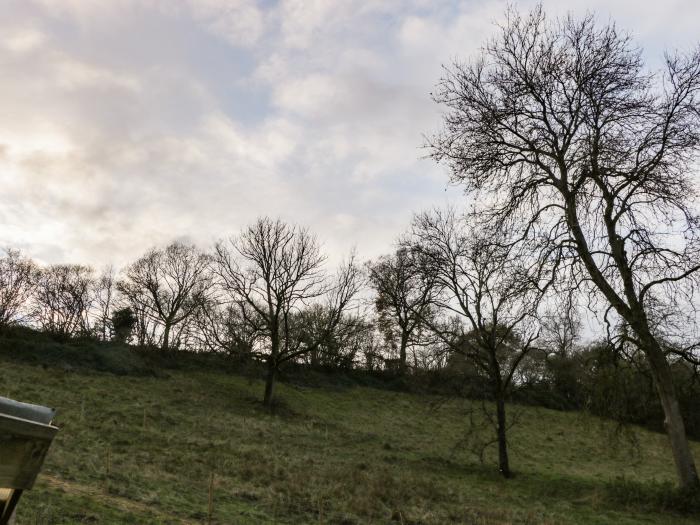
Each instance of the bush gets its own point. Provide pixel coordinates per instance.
(39, 348)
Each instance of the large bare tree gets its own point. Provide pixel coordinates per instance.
(275, 269)
(404, 297)
(560, 131)
(166, 286)
(493, 292)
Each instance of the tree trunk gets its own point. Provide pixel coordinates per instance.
(675, 428)
(166, 338)
(270, 382)
(503, 465)
(402, 354)
(271, 370)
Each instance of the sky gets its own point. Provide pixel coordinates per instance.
(126, 124)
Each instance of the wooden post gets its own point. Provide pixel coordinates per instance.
(210, 511)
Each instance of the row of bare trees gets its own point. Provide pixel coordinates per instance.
(263, 294)
(64, 299)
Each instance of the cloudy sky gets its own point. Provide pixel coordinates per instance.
(129, 123)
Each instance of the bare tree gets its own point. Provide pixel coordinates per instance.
(491, 293)
(404, 297)
(276, 269)
(562, 133)
(17, 282)
(145, 329)
(63, 299)
(166, 286)
(561, 326)
(371, 347)
(104, 298)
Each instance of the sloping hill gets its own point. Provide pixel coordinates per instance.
(142, 449)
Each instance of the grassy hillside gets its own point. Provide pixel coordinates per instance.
(140, 449)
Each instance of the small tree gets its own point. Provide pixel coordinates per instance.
(123, 322)
(104, 296)
(494, 292)
(275, 269)
(404, 297)
(561, 327)
(167, 286)
(17, 283)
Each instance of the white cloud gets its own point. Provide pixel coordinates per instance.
(72, 74)
(23, 41)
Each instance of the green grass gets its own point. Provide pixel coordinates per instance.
(344, 456)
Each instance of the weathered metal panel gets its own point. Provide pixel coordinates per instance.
(28, 411)
(23, 447)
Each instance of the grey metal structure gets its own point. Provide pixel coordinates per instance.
(26, 433)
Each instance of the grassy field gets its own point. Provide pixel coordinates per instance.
(144, 449)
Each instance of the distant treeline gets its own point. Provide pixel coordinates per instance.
(170, 303)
